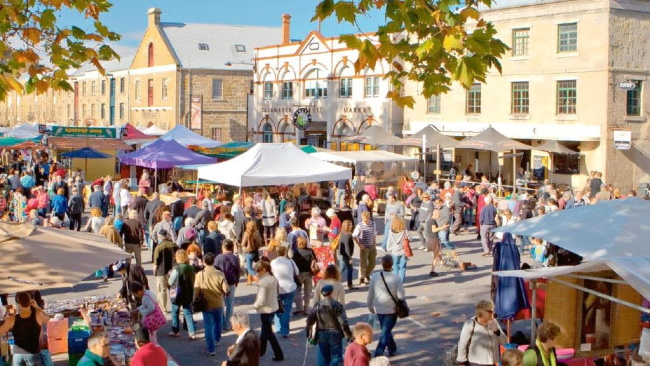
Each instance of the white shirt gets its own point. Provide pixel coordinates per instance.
(284, 269)
(242, 335)
(378, 296)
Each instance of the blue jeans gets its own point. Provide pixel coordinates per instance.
(105, 272)
(202, 235)
(27, 360)
(384, 241)
(387, 322)
(347, 267)
(228, 308)
(212, 322)
(444, 239)
(147, 237)
(282, 320)
(187, 313)
(330, 348)
(249, 263)
(399, 266)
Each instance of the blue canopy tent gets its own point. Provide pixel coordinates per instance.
(85, 153)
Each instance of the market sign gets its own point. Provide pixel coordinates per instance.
(302, 118)
(103, 132)
(622, 139)
(627, 85)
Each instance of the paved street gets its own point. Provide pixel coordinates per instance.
(438, 308)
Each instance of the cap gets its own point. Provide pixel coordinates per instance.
(163, 233)
(330, 212)
(327, 290)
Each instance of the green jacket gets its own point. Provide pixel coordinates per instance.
(90, 359)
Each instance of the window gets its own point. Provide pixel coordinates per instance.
(102, 111)
(121, 111)
(103, 87)
(83, 111)
(268, 90)
(520, 41)
(287, 90)
(83, 88)
(433, 104)
(137, 90)
(567, 37)
(346, 88)
(92, 111)
(67, 112)
(267, 133)
(474, 99)
(165, 85)
(520, 98)
(372, 86)
(217, 89)
(634, 100)
(216, 133)
(567, 97)
(93, 88)
(315, 88)
(150, 55)
(204, 47)
(240, 48)
(121, 85)
(150, 92)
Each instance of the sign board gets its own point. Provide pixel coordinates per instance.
(196, 113)
(302, 118)
(622, 139)
(102, 132)
(627, 85)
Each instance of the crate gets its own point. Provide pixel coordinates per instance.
(57, 328)
(57, 345)
(78, 341)
(73, 358)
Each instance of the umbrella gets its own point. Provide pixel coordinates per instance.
(432, 137)
(553, 146)
(492, 140)
(374, 135)
(616, 228)
(510, 295)
(85, 153)
(37, 258)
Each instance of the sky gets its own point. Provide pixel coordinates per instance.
(129, 17)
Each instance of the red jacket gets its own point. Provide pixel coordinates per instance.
(149, 355)
(356, 355)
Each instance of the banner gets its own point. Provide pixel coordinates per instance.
(104, 132)
(196, 113)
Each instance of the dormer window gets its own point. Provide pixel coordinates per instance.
(240, 48)
(204, 47)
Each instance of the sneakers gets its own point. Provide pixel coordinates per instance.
(426, 250)
(433, 274)
(421, 248)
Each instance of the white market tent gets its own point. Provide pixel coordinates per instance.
(187, 137)
(23, 131)
(154, 131)
(365, 156)
(267, 164)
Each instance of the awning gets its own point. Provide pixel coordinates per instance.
(367, 156)
(515, 130)
(73, 143)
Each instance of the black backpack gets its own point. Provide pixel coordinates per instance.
(75, 206)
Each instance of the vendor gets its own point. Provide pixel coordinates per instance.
(542, 353)
(98, 349)
(26, 327)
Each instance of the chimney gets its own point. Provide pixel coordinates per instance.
(154, 16)
(286, 29)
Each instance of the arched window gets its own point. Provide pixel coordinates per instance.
(316, 84)
(150, 55)
(267, 133)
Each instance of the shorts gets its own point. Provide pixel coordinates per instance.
(434, 245)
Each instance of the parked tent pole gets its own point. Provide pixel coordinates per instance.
(514, 170)
(155, 178)
(424, 157)
(533, 313)
(438, 163)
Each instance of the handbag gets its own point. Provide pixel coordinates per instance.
(313, 266)
(401, 307)
(175, 289)
(334, 245)
(154, 320)
(408, 251)
(452, 355)
(200, 303)
(312, 332)
(280, 303)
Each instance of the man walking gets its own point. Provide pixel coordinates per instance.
(488, 222)
(332, 325)
(212, 284)
(75, 209)
(228, 263)
(424, 212)
(364, 236)
(97, 199)
(200, 221)
(163, 262)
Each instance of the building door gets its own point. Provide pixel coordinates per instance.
(150, 93)
(111, 108)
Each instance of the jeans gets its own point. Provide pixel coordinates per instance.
(249, 263)
(105, 272)
(282, 320)
(413, 223)
(367, 261)
(399, 266)
(42, 212)
(27, 359)
(330, 348)
(487, 237)
(387, 322)
(267, 336)
(347, 267)
(303, 291)
(443, 235)
(420, 231)
(228, 308)
(188, 319)
(147, 237)
(202, 235)
(75, 219)
(384, 241)
(212, 322)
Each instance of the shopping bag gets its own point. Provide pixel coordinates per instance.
(374, 323)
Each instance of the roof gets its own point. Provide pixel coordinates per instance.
(222, 44)
(79, 142)
(124, 63)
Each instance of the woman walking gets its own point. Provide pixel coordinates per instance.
(266, 304)
(285, 271)
(395, 246)
(181, 281)
(332, 277)
(346, 251)
(481, 336)
(251, 242)
(303, 258)
(269, 216)
(433, 241)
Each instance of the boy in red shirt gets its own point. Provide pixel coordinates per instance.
(148, 354)
(357, 354)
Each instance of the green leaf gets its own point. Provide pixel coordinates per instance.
(351, 40)
(324, 10)
(78, 33)
(346, 11)
(48, 18)
(452, 42)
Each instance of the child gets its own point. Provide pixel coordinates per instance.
(512, 357)
(537, 252)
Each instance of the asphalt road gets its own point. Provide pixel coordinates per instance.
(438, 308)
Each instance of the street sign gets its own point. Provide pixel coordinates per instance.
(622, 139)
(103, 132)
(627, 85)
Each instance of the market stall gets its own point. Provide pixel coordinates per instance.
(187, 137)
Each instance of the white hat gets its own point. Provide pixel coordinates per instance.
(330, 212)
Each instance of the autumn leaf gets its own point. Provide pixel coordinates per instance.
(452, 42)
(32, 34)
(346, 11)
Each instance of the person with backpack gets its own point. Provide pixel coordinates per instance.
(228, 263)
(213, 241)
(181, 283)
(331, 326)
(543, 351)
(480, 337)
(75, 208)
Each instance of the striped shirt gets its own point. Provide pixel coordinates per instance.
(366, 234)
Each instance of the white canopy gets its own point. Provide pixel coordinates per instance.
(23, 131)
(364, 156)
(634, 270)
(268, 164)
(154, 131)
